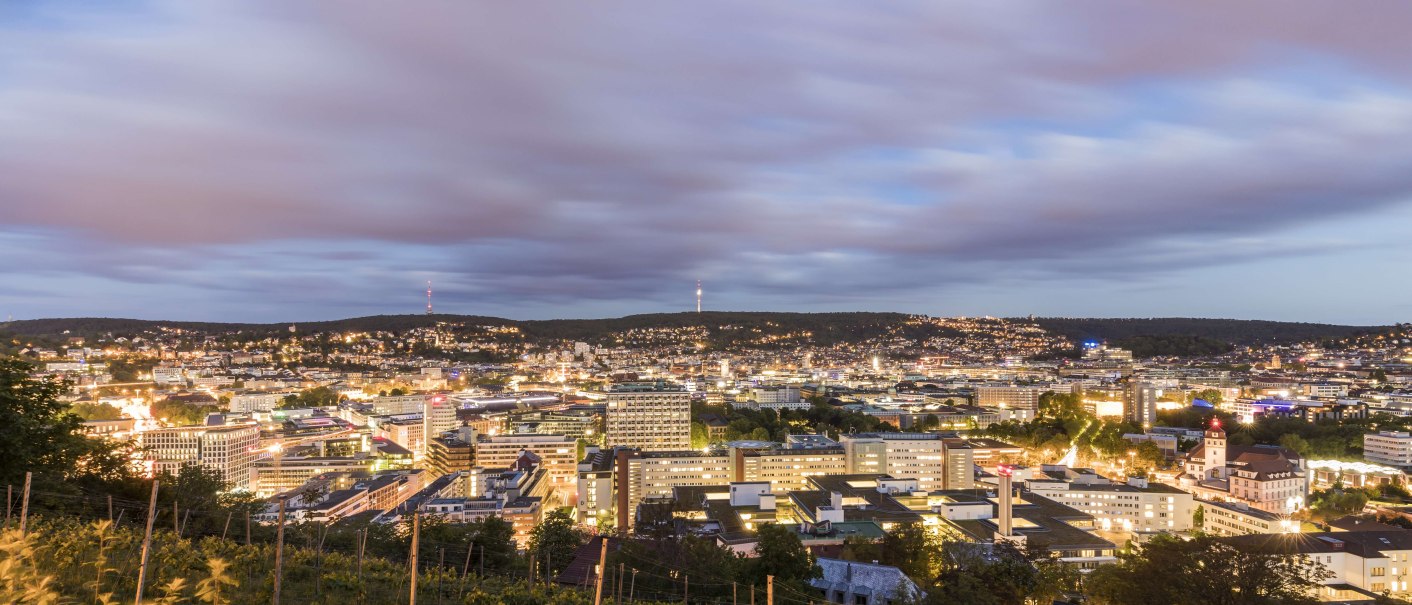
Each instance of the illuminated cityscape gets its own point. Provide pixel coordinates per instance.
(315, 303)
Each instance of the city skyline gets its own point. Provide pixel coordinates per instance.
(263, 162)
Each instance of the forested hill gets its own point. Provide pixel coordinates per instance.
(823, 328)
(1232, 331)
(1146, 337)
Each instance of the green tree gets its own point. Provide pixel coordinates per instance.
(1149, 455)
(312, 398)
(1198, 517)
(1213, 396)
(700, 437)
(780, 553)
(89, 410)
(555, 540)
(1335, 502)
(40, 435)
(181, 413)
(493, 538)
(1171, 570)
(1295, 443)
(913, 549)
(971, 577)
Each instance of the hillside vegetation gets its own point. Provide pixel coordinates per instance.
(1147, 337)
(1202, 332)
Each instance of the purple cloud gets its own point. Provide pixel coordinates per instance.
(604, 153)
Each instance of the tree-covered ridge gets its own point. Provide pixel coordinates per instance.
(1234, 331)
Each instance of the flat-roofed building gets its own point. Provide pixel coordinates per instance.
(1137, 506)
(917, 456)
(257, 401)
(649, 417)
(279, 474)
(643, 475)
(1393, 448)
(785, 469)
(596, 487)
(408, 432)
(1008, 396)
(399, 404)
(558, 455)
(451, 452)
(959, 470)
(226, 449)
(1237, 519)
(438, 415)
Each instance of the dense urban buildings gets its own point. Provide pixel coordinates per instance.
(645, 436)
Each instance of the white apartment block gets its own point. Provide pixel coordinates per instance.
(1011, 396)
(1235, 519)
(278, 474)
(1393, 448)
(1323, 390)
(785, 469)
(558, 455)
(1136, 506)
(226, 449)
(169, 375)
(780, 397)
(643, 475)
(438, 415)
(919, 456)
(257, 402)
(649, 420)
(408, 432)
(596, 487)
(399, 404)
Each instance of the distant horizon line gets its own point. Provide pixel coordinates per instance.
(688, 313)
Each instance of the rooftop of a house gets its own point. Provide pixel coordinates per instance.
(1364, 544)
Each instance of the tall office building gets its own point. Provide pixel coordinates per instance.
(650, 417)
(226, 449)
(438, 415)
(1140, 403)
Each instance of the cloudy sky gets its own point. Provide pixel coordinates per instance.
(277, 160)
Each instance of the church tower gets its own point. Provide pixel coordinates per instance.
(1215, 450)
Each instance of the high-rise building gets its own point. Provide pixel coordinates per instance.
(1140, 404)
(225, 449)
(438, 415)
(649, 417)
(451, 452)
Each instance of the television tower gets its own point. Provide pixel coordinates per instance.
(428, 297)
(698, 296)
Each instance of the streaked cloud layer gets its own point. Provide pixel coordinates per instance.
(280, 160)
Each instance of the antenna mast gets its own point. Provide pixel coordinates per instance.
(698, 296)
(428, 297)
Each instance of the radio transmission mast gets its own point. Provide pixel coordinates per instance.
(428, 297)
(698, 296)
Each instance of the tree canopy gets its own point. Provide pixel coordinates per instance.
(1180, 572)
(41, 435)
